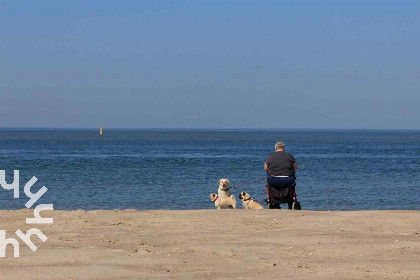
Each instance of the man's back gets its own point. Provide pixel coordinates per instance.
(280, 164)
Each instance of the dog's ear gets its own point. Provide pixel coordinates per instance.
(218, 182)
(227, 181)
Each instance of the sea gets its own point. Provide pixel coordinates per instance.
(178, 169)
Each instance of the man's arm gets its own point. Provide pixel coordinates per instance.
(265, 167)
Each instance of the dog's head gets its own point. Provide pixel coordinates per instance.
(213, 196)
(223, 184)
(244, 196)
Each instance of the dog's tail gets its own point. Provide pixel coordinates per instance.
(232, 197)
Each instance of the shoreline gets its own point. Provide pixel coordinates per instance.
(208, 244)
(239, 208)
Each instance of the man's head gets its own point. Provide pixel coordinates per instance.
(279, 146)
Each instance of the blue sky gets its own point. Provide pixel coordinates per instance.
(210, 64)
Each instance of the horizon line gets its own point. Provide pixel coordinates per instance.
(208, 129)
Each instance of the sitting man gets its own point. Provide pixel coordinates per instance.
(280, 167)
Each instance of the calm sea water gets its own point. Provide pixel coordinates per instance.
(178, 169)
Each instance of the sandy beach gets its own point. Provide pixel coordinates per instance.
(210, 244)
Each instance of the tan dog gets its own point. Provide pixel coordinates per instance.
(248, 202)
(223, 190)
(223, 203)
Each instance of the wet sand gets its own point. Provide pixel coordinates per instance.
(210, 244)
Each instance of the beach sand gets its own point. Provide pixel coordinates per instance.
(210, 244)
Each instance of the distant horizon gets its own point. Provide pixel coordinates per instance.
(206, 129)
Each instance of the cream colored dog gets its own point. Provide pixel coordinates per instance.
(223, 203)
(248, 202)
(223, 190)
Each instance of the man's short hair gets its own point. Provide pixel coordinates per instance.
(279, 145)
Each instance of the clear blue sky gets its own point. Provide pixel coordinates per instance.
(210, 64)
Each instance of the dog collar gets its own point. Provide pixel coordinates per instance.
(217, 197)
